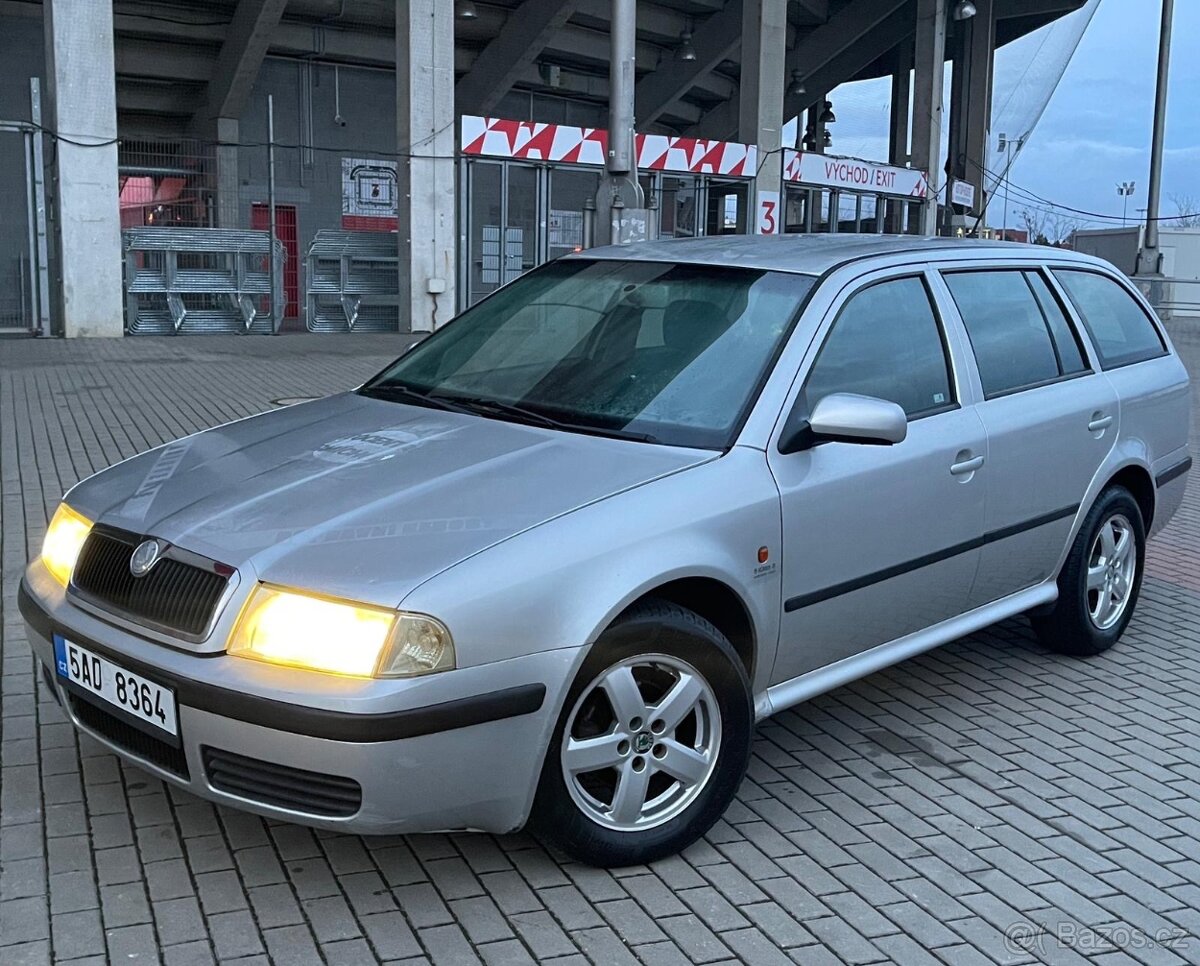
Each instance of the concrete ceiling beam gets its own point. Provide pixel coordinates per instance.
(519, 43)
(247, 40)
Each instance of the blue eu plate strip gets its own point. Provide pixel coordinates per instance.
(60, 656)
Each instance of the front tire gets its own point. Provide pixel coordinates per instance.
(1099, 584)
(652, 741)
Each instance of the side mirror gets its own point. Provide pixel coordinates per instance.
(847, 418)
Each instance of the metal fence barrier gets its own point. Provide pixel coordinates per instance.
(353, 282)
(1172, 298)
(183, 281)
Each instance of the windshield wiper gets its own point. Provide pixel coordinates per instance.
(394, 391)
(521, 414)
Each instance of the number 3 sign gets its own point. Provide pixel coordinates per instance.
(768, 213)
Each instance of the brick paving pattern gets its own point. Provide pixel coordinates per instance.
(943, 811)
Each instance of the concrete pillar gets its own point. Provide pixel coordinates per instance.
(425, 131)
(970, 106)
(898, 153)
(82, 105)
(982, 43)
(221, 135)
(229, 208)
(760, 108)
(930, 63)
(956, 139)
(901, 94)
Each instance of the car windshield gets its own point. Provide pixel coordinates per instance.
(654, 351)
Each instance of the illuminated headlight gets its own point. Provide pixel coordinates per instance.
(338, 637)
(64, 540)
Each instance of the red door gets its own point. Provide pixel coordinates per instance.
(285, 229)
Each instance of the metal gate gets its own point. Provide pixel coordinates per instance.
(24, 258)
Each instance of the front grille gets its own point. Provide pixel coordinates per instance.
(127, 737)
(174, 595)
(281, 786)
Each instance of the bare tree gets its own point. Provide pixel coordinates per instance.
(1049, 227)
(1034, 220)
(1187, 210)
(1061, 228)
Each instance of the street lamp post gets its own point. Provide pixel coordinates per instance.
(1125, 189)
(1150, 258)
(1006, 145)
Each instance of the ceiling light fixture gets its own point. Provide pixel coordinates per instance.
(796, 88)
(466, 10)
(827, 115)
(685, 51)
(964, 10)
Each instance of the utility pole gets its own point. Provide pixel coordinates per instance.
(1150, 259)
(1125, 189)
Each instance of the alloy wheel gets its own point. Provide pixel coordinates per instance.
(641, 742)
(1112, 566)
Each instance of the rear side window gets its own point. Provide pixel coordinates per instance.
(1009, 332)
(1120, 329)
(886, 342)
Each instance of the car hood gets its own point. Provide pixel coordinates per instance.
(362, 498)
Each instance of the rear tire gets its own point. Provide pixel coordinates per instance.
(1100, 581)
(657, 729)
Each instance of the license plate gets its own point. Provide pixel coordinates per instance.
(132, 693)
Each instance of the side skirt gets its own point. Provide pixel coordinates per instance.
(778, 697)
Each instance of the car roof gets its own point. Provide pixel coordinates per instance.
(815, 254)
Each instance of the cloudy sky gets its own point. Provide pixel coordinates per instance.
(1096, 129)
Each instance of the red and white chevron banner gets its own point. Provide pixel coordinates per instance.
(528, 140)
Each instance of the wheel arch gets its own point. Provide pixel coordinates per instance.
(1137, 480)
(1127, 465)
(719, 604)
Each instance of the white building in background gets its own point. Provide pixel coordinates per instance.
(1178, 296)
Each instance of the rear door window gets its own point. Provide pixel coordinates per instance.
(1008, 331)
(1120, 329)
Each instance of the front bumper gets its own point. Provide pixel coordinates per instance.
(457, 750)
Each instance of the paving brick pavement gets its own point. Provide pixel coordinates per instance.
(913, 817)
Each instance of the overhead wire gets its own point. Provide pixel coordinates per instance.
(1033, 199)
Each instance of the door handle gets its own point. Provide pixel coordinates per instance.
(966, 466)
(1099, 422)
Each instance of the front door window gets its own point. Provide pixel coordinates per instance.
(885, 343)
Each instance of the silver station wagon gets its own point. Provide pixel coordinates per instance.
(552, 564)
